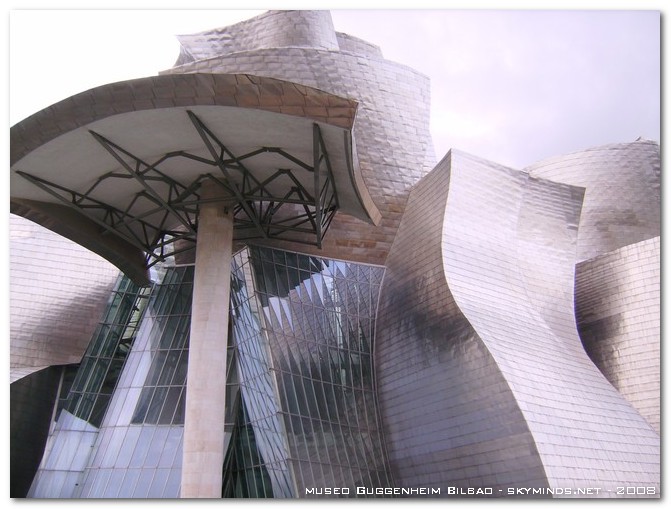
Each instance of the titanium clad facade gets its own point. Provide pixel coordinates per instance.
(31, 403)
(311, 29)
(58, 291)
(585, 437)
(617, 284)
(430, 362)
(618, 313)
(495, 329)
(391, 132)
(622, 184)
(505, 238)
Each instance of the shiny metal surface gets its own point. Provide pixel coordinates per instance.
(393, 142)
(483, 380)
(288, 142)
(273, 29)
(58, 292)
(31, 403)
(448, 413)
(618, 313)
(618, 278)
(481, 377)
(622, 184)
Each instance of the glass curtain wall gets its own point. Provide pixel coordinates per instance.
(301, 409)
(138, 453)
(312, 351)
(80, 413)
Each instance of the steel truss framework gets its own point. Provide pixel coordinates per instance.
(299, 214)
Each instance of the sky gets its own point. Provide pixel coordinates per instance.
(512, 86)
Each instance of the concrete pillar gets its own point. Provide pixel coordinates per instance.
(203, 449)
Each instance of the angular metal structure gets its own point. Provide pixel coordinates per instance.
(126, 182)
(617, 299)
(311, 307)
(618, 275)
(478, 302)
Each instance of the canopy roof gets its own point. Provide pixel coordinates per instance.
(118, 168)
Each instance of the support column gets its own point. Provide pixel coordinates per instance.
(203, 449)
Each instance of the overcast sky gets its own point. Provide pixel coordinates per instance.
(510, 86)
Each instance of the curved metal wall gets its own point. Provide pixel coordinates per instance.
(491, 356)
(617, 282)
(393, 142)
(508, 239)
(622, 184)
(58, 292)
(618, 313)
(449, 416)
(272, 29)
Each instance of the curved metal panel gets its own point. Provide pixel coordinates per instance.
(54, 306)
(618, 312)
(393, 142)
(509, 244)
(483, 320)
(449, 415)
(622, 184)
(272, 29)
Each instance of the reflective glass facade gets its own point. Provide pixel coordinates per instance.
(81, 412)
(139, 450)
(301, 411)
(304, 342)
(101, 365)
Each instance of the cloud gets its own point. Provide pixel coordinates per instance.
(511, 86)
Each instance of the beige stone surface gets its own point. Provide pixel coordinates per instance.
(203, 453)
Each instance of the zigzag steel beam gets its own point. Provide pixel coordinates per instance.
(241, 199)
(107, 227)
(106, 145)
(316, 145)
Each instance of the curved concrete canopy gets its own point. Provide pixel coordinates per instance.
(118, 168)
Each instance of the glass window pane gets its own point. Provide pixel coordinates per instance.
(143, 483)
(156, 405)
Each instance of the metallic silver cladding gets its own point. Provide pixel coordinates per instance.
(509, 239)
(54, 306)
(482, 377)
(618, 313)
(449, 415)
(392, 135)
(623, 193)
(617, 280)
(272, 29)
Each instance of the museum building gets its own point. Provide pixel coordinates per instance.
(249, 276)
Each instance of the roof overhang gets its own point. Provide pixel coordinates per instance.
(118, 169)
